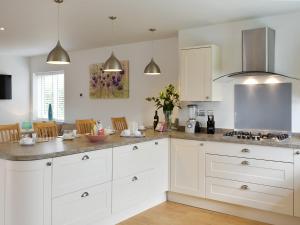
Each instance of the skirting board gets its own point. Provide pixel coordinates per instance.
(119, 217)
(235, 210)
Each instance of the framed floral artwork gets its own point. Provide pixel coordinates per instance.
(104, 85)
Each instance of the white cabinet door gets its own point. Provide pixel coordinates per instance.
(198, 67)
(75, 172)
(28, 193)
(132, 159)
(160, 160)
(2, 188)
(131, 190)
(277, 174)
(188, 167)
(195, 66)
(297, 183)
(262, 197)
(88, 206)
(251, 151)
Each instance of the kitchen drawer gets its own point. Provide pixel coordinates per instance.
(262, 197)
(131, 159)
(250, 151)
(88, 206)
(131, 190)
(75, 172)
(271, 173)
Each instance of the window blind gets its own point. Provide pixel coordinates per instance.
(50, 90)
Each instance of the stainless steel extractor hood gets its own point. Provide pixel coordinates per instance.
(258, 54)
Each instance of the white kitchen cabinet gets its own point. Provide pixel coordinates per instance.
(297, 183)
(277, 174)
(188, 167)
(251, 151)
(160, 159)
(88, 206)
(2, 188)
(262, 197)
(28, 193)
(131, 159)
(75, 172)
(131, 190)
(198, 67)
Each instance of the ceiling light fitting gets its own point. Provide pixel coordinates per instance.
(152, 69)
(58, 54)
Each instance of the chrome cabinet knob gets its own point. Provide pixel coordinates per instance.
(244, 187)
(156, 143)
(201, 144)
(86, 157)
(245, 163)
(134, 179)
(297, 153)
(49, 163)
(135, 148)
(207, 97)
(85, 194)
(245, 150)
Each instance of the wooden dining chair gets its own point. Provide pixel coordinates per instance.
(119, 123)
(85, 126)
(9, 133)
(45, 129)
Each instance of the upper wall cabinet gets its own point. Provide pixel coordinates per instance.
(198, 67)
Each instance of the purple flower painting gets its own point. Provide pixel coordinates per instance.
(105, 85)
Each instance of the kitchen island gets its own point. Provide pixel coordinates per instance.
(77, 182)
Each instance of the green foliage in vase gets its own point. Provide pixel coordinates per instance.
(168, 99)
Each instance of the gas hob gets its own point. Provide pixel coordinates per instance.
(257, 136)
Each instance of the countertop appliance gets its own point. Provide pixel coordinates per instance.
(191, 123)
(257, 136)
(211, 124)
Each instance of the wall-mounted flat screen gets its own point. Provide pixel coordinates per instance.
(5, 87)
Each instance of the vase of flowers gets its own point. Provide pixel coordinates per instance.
(168, 99)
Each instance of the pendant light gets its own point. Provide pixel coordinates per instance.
(152, 68)
(112, 64)
(58, 55)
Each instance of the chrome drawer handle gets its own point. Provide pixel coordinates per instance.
(134, 179)
(245, 163)
(244, 187)
(245, 150)
(85, 194)
(297, 153)
(135, 148)
(86, 157)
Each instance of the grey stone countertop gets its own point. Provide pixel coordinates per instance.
(57, 147)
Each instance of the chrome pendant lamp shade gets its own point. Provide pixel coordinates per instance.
(152, 69)
(112, 64)
(58, 54)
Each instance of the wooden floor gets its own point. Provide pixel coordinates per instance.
(170, 213)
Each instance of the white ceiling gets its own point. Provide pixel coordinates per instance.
(31, 24)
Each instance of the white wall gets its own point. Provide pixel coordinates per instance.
(228, 37)
(17, 109)
(135, 108)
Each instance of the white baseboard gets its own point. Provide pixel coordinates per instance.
(235, 210)
(119, 217)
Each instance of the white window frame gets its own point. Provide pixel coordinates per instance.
(35, 92)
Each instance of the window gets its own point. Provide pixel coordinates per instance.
(49, 88)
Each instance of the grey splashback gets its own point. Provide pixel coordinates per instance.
(263, 106)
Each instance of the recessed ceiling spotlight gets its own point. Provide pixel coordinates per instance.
(2, 29)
